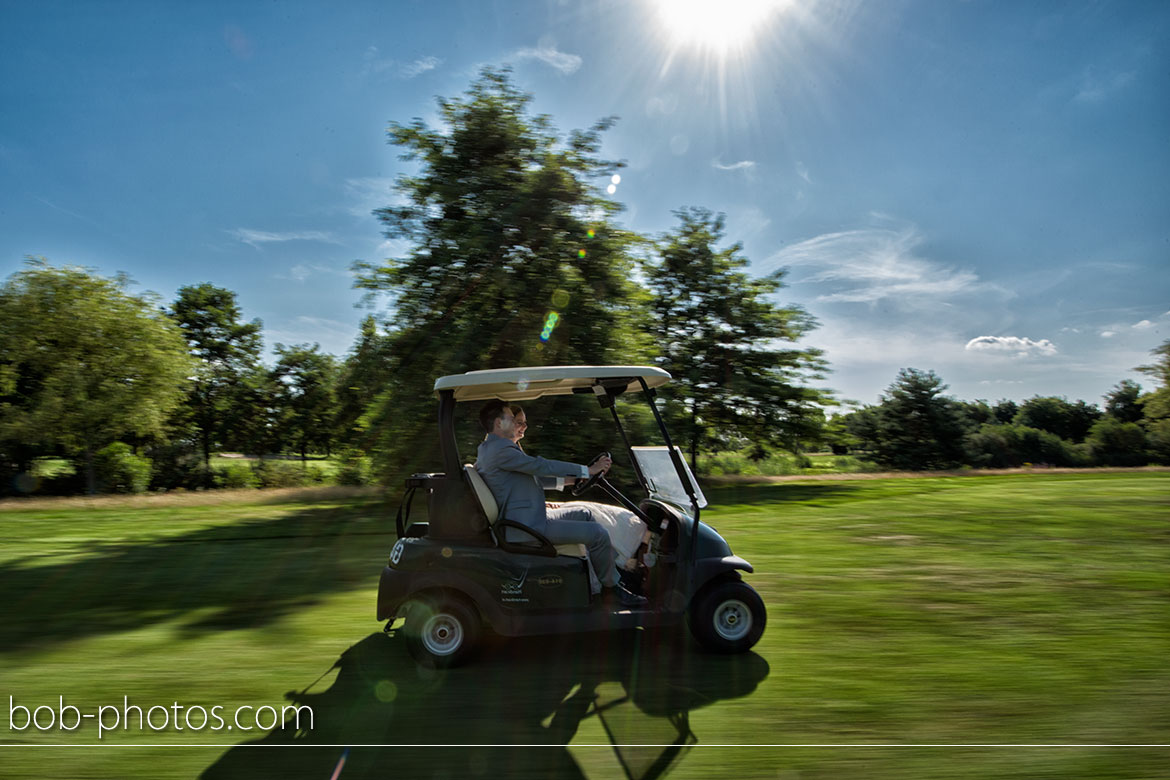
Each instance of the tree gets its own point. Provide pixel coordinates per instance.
(83, 363)
(1113, 442)
(918, 427)
(363, 375)
(227, 349)
(1005, 411)
(730, 350)
(513, 260)
(1070, 421)
(1156, 404)
(306, 380)
(1123, 402)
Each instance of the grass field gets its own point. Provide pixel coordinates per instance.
(981, 610)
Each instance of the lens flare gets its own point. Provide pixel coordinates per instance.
(550, 323)
(581, 253)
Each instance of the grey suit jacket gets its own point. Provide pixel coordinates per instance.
(518, 480)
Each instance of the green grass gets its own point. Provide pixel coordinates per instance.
(939, 610)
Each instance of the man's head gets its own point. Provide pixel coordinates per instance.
(497, 418)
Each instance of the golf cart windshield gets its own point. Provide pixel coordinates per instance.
(662, 478)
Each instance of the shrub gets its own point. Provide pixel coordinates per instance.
(1007, 446)
(179, 465)
(354, 469)
(283, 473)
(119, 470)
(235, 476)
(1158, 439)
(1116, 443)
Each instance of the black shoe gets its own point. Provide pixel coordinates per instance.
(623, 597)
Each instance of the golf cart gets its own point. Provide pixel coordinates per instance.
(456, 572)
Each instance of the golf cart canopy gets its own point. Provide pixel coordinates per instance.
(526, 384)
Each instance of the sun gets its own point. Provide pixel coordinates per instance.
(720, 25)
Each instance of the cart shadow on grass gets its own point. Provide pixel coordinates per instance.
(511, 714)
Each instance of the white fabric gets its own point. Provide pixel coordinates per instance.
(625, 529)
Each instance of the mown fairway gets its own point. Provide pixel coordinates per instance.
(973, 610)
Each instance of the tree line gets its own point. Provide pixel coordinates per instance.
(515, 257)
(915, 426)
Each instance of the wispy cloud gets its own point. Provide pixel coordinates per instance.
(1094, 88)
(802, 172)
(374, 64)
(369, 193)
(302, 271)
(870, 265)
(257, 237)
(333, 336)
(1011, 345)
(568, 64)
(742, 165)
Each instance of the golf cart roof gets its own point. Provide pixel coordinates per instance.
(527, 383)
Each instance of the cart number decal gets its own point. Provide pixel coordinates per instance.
(396, 555)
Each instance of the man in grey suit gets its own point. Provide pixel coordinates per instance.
(518, 481)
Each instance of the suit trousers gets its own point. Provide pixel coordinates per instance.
(575, 525)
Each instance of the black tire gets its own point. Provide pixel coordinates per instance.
(727, 617)
(441, 632)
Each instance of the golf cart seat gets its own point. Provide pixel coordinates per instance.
(492, 510)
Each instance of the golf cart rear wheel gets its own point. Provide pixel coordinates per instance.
(441, 632)
(727, 617)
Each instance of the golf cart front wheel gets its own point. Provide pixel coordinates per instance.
(441, 632)
(727, 617)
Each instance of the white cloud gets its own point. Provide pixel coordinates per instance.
(1015, 345)
(567, 64)
(870, 265)
(1107, 334)
(419, 67)
(742, 165)
(374, 64)
(257, 237)
(802, 171)
(1143, 325)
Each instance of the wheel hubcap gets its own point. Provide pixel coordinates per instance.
(733, 620)
(442, 635)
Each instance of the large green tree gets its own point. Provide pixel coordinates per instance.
(513, 259)
(227, 349)
(84, 363)
(738, 374)
(306, 380)
(919, 427)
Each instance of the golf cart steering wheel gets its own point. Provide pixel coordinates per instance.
(580, 487)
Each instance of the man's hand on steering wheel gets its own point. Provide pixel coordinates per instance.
(597, 468)
(600, 464)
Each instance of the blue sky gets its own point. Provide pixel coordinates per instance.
(978, 188)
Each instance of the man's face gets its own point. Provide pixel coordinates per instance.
(506, 424)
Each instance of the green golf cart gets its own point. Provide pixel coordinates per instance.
(456, 573)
